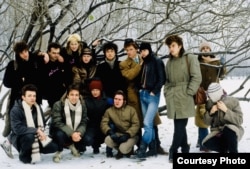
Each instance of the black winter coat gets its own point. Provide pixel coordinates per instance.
(153, 75)
(112, 79)
(19, 73)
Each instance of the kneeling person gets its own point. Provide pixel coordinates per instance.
(27, 128)
(124, 133)
(69, 120)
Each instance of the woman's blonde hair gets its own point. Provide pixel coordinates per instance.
(73, 37)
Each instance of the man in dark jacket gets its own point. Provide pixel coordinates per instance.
(19, 72)
(27, 125)
(53, 77)
(152, 78)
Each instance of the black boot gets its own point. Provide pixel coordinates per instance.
(109, 152)
(185, 149)
(141, 153)
(152, 149)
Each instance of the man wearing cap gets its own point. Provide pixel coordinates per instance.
(225, 118)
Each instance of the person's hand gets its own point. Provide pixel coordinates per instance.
(45, 57)
(213, 109)
(60, 58)
(124, 138)
(76, 136)
(41, 135)
(221, 105)
(96, 42)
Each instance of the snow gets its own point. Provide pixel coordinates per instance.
(89, 160)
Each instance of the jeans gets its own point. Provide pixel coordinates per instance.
(149, 105)
(203, 132)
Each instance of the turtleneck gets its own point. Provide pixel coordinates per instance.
(110, 62)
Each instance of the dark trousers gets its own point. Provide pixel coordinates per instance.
(180, 136)
(93, 137)
(224, 142)
(24, 147)
(62, 140)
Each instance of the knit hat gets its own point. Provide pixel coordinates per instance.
(86, 51)
(95, 84)
(204, 44)
(145, 45)
(215, 92)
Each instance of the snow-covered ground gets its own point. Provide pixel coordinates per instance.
(89, 160)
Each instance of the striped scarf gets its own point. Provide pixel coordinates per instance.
(35, 154)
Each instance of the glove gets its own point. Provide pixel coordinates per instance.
(113, 136)
(123, 138)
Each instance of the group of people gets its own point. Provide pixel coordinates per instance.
(113, 102)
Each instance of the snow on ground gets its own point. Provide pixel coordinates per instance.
(88, 160)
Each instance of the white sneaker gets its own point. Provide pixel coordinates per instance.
(7, 148)
(57, 157)
(74, 151)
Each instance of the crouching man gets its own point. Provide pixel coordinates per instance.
(27, 128)
(123, 134)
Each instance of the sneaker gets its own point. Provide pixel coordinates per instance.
(74, 151)
(7, 148)
(57, 157)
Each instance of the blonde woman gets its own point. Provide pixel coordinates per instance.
(71, 54)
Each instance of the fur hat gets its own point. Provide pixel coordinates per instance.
(74, 37)
(95, 84)
(205, 44)
(145, 45)
(215, 92)
(86, 51)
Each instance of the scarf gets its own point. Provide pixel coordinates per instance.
(78, 113)
(35, 154)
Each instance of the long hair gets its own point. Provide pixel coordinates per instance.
(178, 40)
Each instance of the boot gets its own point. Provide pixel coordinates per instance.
(171, 154)
(109, 152)
(185, 149)
(141, 153)
(152, 149)
(57, 157)
(119, 155)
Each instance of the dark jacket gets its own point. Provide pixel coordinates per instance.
(53, 81)
(69, 62)
(112, 79)
(153, 75)
(95, 110)
(59, 118)
(19, 73)
(18, 123)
